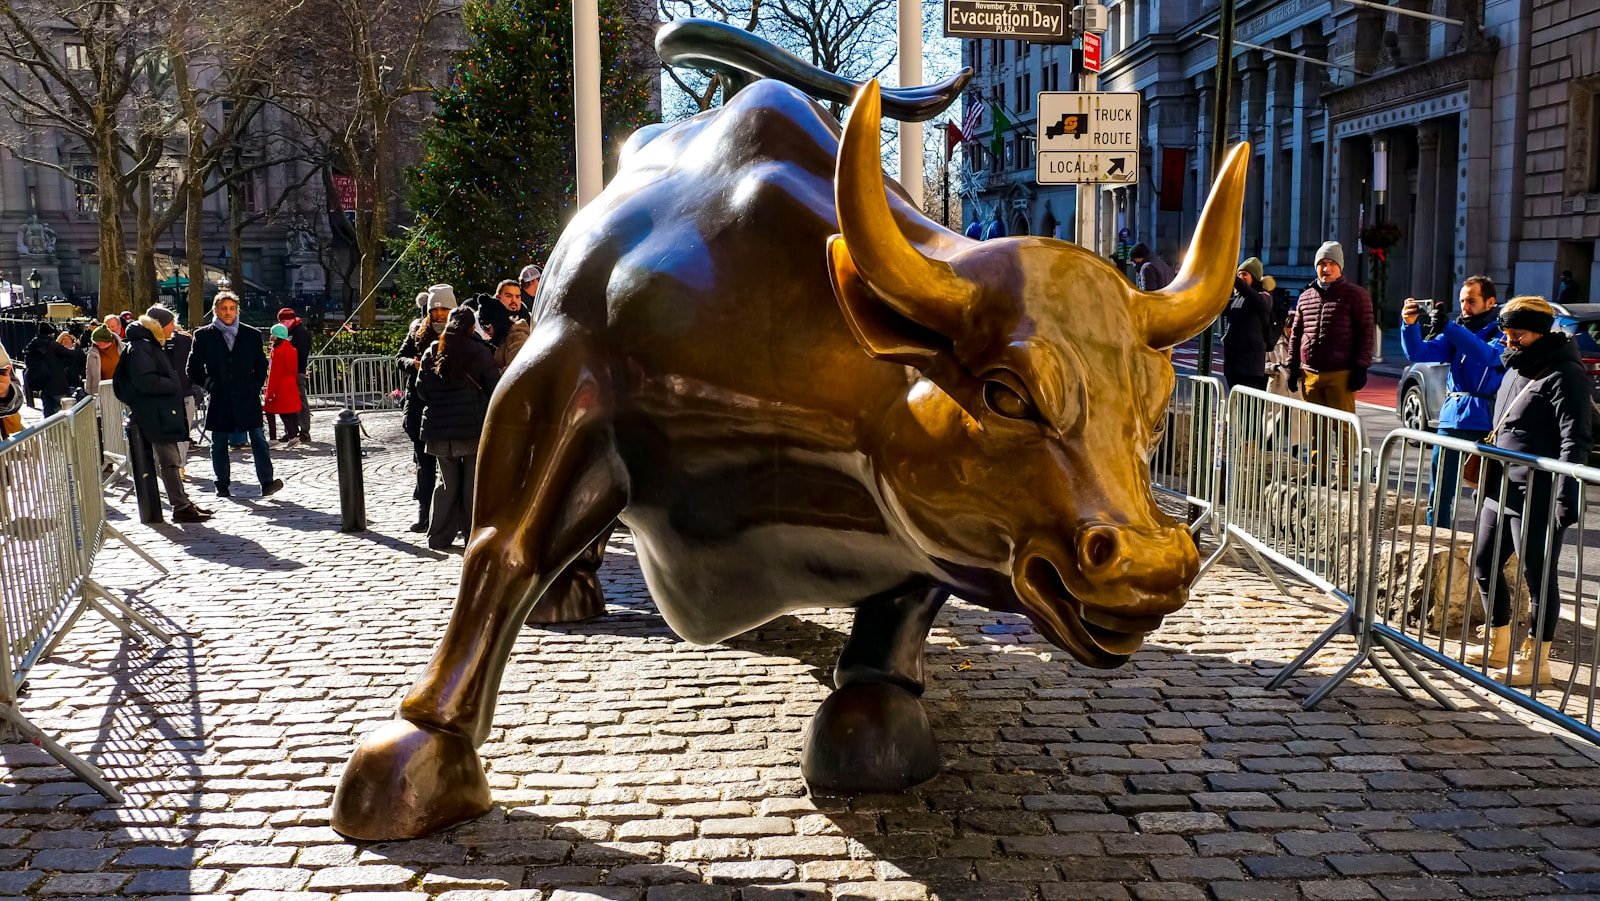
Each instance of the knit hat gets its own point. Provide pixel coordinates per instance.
(422, 301)
(530, 273)
(127, 316)
(162, 315)
(101, 333)
(1330, 251)
(1253, 266)
(1140, 251)
(279, 330)
(441, 297)
(287, 313)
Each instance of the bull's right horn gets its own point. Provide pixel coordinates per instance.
(1201, 290)
(925, 290)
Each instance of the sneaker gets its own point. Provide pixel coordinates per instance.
(291, 442)
(224, 491)
(271, 488)
(190, 513)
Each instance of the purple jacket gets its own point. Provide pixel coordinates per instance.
(1332, 328)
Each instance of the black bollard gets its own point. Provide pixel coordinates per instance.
(352, 489)
(142, 466)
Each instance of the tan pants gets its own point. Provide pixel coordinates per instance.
(1332, 390)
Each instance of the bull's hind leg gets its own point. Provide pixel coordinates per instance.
(576, 594)
(549, 484)
(871, 734)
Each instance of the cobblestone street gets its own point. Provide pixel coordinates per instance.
(627, 764)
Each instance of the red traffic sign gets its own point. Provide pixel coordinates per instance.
(1091, 52)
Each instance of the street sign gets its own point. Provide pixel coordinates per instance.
(1027, 20)
(1091, 52)
(1087, 138)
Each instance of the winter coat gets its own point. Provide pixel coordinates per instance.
(1153, 274)
(155, 395)
(406, 358)
(1543, 409)
(496, 319)
(300, 337)
(283, 386)
(50, 366)
(456, 400)
(1247, 333)
(1475, 370)
(1333, 327)
(233, 378)
(179, 348)
(100, 365)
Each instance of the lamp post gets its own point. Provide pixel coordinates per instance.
(34, 282)
(223, 281)
(1380, 263)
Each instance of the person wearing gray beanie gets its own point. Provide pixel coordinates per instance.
(1331, 346)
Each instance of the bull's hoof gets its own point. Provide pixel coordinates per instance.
(869, 737)
(574, 597)
(407, 781)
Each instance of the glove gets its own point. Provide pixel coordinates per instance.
(1438, 318)
(1358, 379)
(1294, 379)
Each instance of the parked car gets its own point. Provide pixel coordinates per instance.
(1421, 391)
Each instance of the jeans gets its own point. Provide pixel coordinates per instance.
(1442, 474)
(50, 403)
(427, 476)
(259, 449)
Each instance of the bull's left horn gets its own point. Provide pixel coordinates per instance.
(924, 290)
(1201, 290)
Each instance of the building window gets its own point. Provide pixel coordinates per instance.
(77, 58)
(1055, 76)
(1027, 91)
(1583, 137)
(87, 189)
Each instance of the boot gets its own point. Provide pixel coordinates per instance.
(1520, 674)
(1499, 649)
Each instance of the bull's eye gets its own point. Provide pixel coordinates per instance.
(1004, 400)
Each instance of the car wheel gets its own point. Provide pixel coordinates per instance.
(1413, 411)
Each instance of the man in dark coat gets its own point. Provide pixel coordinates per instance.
(300, 338)
(230, 361)
(50, 368)
(1150, 271)
(1331, 348)
(496, 316)
(147, 382)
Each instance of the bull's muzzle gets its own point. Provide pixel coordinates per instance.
(1100, 599)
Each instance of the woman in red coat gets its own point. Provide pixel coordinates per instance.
(283, 390)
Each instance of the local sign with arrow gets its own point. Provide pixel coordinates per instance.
(1088, 138)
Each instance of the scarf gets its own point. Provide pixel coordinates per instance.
(229, 332)
(1535, 360)
(108, 360)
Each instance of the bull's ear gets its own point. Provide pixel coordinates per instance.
(880, 330)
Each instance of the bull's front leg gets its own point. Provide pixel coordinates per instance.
(549, 484)
(871, 734)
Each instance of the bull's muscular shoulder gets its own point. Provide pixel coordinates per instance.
(768, 120)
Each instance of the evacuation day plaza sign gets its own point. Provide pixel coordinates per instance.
(1088, 138)
(1042, 23)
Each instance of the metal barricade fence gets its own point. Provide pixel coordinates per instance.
(1186, 459)
(113, 440)
(364, 382)
(1441, 553)
(52, 523)
(1296, 488)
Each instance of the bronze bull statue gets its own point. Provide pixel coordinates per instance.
(797, 391)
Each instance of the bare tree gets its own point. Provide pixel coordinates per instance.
(701, 88)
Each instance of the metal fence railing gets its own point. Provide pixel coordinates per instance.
(366, 382)
(1187, 460)
(1444, 556)
(52, 524)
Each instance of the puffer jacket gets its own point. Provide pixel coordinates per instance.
(1543, 409)
(456, 395)
(1475, 370)
(1333, 328)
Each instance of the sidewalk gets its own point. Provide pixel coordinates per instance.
(627, 764)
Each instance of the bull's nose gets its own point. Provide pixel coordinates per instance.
(1099, 550)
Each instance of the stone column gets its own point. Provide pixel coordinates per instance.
(1308, 190)
(1424, 245)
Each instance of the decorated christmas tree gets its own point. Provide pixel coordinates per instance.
(497, 179)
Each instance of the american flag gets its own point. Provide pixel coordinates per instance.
(975, 108)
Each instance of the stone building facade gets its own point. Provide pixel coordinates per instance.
(1329, 92)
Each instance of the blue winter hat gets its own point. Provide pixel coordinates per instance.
(280, 331)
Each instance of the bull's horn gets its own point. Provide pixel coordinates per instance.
(924, 290)
(1201, 290)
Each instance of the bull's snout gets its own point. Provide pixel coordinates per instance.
(1114, 586)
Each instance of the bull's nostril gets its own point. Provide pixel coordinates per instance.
(1098, 547)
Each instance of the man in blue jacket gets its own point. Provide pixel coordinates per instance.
(1472, 345)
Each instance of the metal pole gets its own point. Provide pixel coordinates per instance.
(352, 488)
(945, 218)
(142, 467)
(910, 59)
(586, 98)
(1219, 131)
(1087, 198)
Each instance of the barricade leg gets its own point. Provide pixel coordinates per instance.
(83, 769)
(118, 534)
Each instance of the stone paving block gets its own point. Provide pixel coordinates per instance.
(174, 882)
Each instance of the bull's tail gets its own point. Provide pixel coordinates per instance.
(741, 56)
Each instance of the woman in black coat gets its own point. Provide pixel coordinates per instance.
(424, 333)
(457, 377)
(1542, 409)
